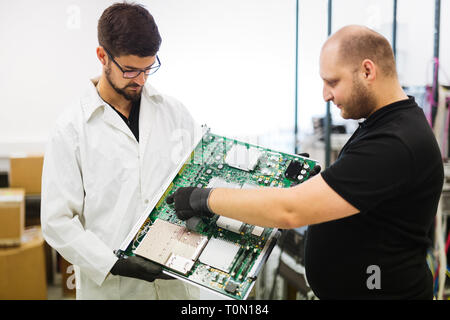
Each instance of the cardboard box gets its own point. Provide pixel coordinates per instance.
(26, 172)
(22, 269)
(12, 216)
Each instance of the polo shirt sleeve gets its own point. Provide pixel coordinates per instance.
(371, 171)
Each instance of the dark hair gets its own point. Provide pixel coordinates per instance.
(128, 29)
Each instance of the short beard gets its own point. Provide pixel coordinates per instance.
(362, 101)
(130, 97)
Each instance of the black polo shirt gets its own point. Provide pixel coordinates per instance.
(391, 170)
(133, 119)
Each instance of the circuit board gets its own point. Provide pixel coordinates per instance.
(221, 254)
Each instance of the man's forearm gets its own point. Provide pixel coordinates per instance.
(268, 207)
(308, 203)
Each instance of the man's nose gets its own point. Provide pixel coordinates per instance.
(140, 79)
(327, 96)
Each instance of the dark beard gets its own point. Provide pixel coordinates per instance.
(362, 101)
(130, 97)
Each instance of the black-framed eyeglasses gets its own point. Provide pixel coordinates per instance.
(131, 74)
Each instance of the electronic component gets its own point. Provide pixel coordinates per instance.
(293, 170)
(229, 224)
(165, 239)
(239, 262)
(180, 264)
(222, 183)
(231, 287)
(243, 157)
(248, 265)
(219, 254)
(257, 231)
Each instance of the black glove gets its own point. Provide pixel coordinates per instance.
(315, 170)
(139, 268)
(304, 154)
(190, 202)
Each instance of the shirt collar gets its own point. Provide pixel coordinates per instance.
(410, 102)
(91, 100)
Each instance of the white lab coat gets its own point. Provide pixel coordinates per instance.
(98, 180)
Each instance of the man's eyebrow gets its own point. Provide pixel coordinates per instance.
(329, 79)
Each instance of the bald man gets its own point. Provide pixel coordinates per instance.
(370, 213)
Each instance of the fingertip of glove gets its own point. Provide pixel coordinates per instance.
(184, 215)
(169, 199)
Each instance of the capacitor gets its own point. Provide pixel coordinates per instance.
(209, 171)
(220, 166)
(300, 177)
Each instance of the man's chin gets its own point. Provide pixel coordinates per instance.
(134, 97)
(131, 95)
(344, 115)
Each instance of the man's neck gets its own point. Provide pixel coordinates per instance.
(109, 95)
(390, 92)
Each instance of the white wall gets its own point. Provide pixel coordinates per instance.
(231, 62)
(46, 54)
(228, 61)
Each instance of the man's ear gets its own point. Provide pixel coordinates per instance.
(369, 70)
(101, 55)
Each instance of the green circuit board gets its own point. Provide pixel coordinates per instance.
(219, 254)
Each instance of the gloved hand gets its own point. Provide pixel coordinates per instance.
(139, 268)
(316, 168)
(190, 202)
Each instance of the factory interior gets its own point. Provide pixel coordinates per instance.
(251, 75)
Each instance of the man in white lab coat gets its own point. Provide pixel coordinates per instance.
(108, 156)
